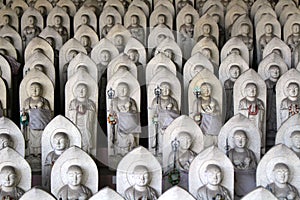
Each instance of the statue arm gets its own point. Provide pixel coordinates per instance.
(284, 111)
(133, 106)
(243, 105)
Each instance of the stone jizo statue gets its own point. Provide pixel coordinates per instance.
(119, 42)
(135, 28)
(9, 188)
(294, 38)
(281, 187)
(187, 29)
(74, 189)
(109, 23)
(213, 188)
(207, 33)
(245, 36)
(30, 31)
(58, 26)
(266, 37)
(6, 141)
(141, 188)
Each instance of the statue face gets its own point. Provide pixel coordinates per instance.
(74, 176)
(296, 139)
(251, 90)
(240, 139)
(245, 29)
(296, 28)
(35, 90)
(42, 10)
(207, 53)
(269, 28)
(122, 90)
(8, 177)
(119, 40)
(6, 19)
(110, 20)
(5, 141)
(293, 90)
(169, 53)
(60, 142)
(165, 89)
(134, 20)
(31, 20)
(214, 175)
(160, 38)
(57, 20)
(141, 177)
(81, 91)
(234, 72)
(185, 140)
(206, 29)
(161, 19)
(281, 174)
(84, 19)
(105, 56)
(205, 90)
(133, 55)
(72, 54)
(188, 19)
(85, 41)
(274, 71)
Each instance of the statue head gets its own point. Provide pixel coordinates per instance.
(123, 89)
(293, 89)
(42, 10)
(66, 9)
(141, 175)
(296, 28)
(51, 41)
(119, 40)
(213, 174)
(188, 19)
(85, 19)
(31, 20)
(268, 28)
(60, 141)
(36, 89)
(251, 90)
(85, 41)
(185, 140)
(295, 138)
(234, 71)
(74, 174)
(105, 56)
(206, 29)
(58, 20)
(169, 53)
(39, 67)
(5, 141)
(165, 88)
(161, 19)
(281, 173)
(135, 20)
(205, 89)
(274, 71)
(71, 54)
(161, 37)
(6, 20)
(110, 20)
(240, 138)
(207, 53)
(235, 51)
(245, 28)
(8, 176)
(81, 90)
(133, 55)
(278, 52)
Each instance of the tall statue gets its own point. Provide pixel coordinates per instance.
(6, 141)
(109, 23)
(58, 26)
(82, 112)
(74, 189)
(128, 123)
(213, 189)
(206, 110)
(86, 43)
(271, 120)
(244, 162)
(245, 36)
(206, 28)
(266, 37)
(187, 29)
(165, 111)
(60, 144)
(136, 30)
(31, 30)
(119, 42)
(281, 188)
(290, 105)
(295, 139)
(141, 188)
(294, 38)
(251, 106)
(36, 114)
(9, 188)
(234, 72)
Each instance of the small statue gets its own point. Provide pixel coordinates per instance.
(251, 106)
(166, 110)
(9, 189)
(183, 3)
(128, 124)
(187, 29)
(281, 188)
(86, 43)
(199, 5)
(6, 141)
(162, 21)
(74, 189)
(119, 42)
(271, 121)
(30, 31)
(109, 23)
(295, 138)
(60, 144)
(141, 188)
(82, 112)
(290, 105)
(245, 36)
(136, 30)
(294, 38)
(58, 26)
(213, 190)
(207, 33)
(234, 72)
(266, 37)
(134, 56)
(206, 110)
(35, 116)
(6, 21)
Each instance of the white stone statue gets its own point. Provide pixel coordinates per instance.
(74, 189)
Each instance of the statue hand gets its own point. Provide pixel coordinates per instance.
(247, 162)
(40, 104)
(291, 195)
(82, 196)
(237, 163)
